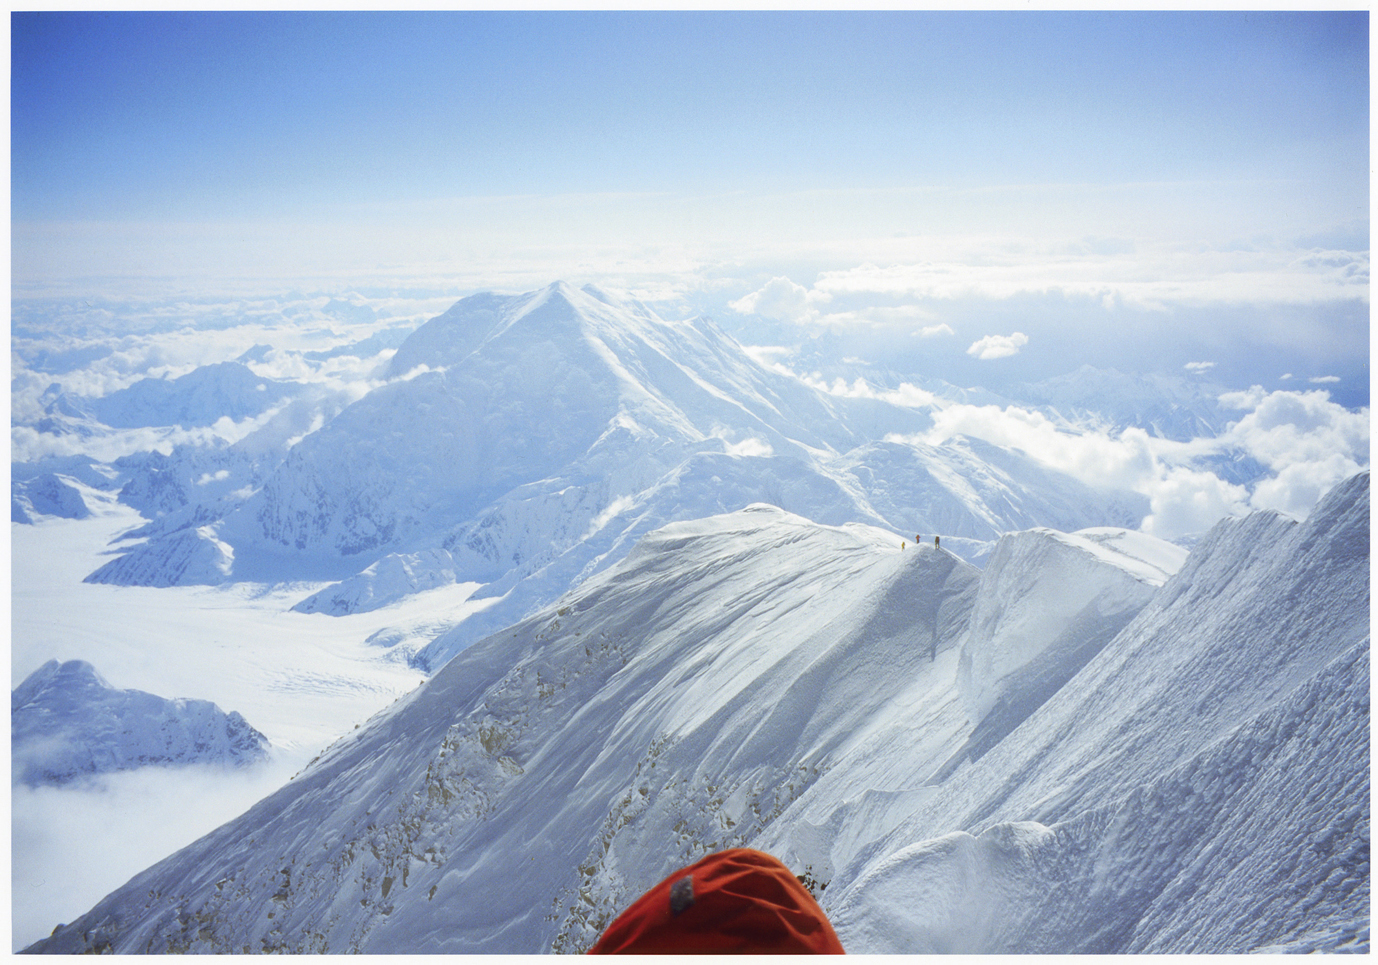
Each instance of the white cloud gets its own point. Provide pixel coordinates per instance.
(906, 395)
(1296, 489)
(998, 346)
(1321, 379)
(931, 331)
(52, 830)
(1150, 276)
(1183, 501)
(1198, 368)
(1307, 442)
(782, 300)
(1285, 376)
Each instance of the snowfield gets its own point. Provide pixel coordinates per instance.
(1180, 764)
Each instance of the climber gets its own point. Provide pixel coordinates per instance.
(737, 901)
(935, 542)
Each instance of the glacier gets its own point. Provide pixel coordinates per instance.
(1198, 780)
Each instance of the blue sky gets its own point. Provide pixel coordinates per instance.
(1172, 175)
(174, 115)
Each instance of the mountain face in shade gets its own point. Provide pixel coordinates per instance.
(67, 723)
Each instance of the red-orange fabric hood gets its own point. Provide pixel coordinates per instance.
(738, 901)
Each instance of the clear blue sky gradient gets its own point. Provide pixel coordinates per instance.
(162, 116)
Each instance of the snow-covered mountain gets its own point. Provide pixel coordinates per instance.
(1167, 406)
(47, 494)
(526, 442)
(1180, 764)
(67, 722)
(200, 398)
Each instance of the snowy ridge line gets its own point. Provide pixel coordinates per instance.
(755, 678)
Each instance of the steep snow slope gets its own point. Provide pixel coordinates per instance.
(1201, 784)
(751, 643)
(67, 722)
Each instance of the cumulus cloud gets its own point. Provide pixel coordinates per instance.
(932, 331)
(782, 300)
(1182, 500)
(1321, 379)
(1309, 442)
(1306, 442)
(1197, 368)
(998, 346)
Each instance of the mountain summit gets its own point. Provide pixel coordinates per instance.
(526, 442)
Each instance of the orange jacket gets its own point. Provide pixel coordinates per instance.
(736, 901)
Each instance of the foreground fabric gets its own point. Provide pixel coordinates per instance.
(735, 901)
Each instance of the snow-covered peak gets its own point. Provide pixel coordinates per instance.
(68, 722)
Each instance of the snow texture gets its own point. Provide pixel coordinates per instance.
(1197, 784)
(68, 723)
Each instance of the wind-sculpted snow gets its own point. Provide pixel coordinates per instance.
(1199, 784)
(68, 723)
(1020, 634)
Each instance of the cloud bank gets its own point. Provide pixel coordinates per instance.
(998, 346)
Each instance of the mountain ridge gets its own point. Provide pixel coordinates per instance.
(759, 679)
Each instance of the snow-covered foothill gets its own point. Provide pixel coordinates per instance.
(200, 398)
(188, 557)
(1199, 784)
(48, 494)
(385, 582)
(67, 722)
